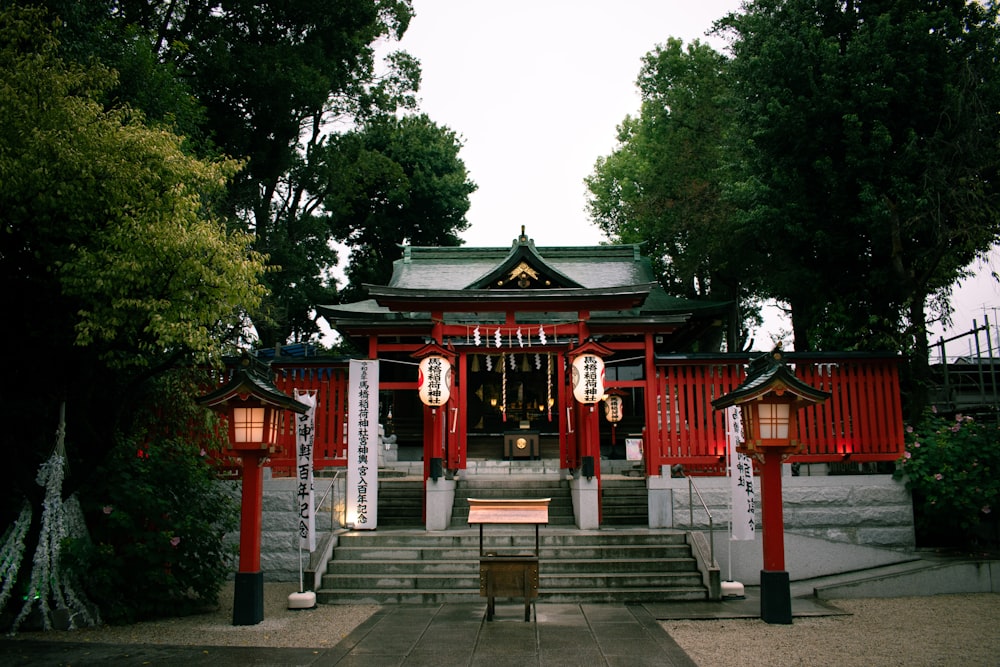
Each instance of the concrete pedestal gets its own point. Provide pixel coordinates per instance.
(248, 598)
(775, 598)
(586, 502)
(440, 501)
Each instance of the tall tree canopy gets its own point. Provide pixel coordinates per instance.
(271, 83)
(868, 158)
(394, 181)
(113, 264)
(663, 184)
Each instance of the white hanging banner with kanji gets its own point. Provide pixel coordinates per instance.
(740, 479)
(305, 438)
(362, 444)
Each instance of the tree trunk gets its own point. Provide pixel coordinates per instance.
(919, 365)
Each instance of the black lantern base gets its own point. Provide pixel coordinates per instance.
(775, 597)
(248, 598)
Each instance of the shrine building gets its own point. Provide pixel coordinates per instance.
(511, 321)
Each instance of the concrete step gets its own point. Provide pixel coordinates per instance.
(514, 536)
(624, 502)
(362, 566)
(604, 595)
(401, 502)
(413, 566)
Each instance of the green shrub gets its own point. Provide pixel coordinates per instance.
(157, 515)
(952, 467)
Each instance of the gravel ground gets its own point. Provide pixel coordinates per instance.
(950, 630)
(320, 627)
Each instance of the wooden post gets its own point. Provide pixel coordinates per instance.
(248, 594)
(775, 591)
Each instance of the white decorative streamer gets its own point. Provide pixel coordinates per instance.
(740, 480)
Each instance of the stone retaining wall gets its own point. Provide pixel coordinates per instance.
(860, 510)
(864, 510)
(279, 542)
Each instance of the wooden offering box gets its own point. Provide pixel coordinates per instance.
(508, 575)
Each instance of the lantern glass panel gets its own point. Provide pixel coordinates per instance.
(773, 419)
(274, 421)
(248, 424)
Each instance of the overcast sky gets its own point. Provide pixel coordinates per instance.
(536, 90)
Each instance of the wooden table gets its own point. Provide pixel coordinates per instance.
(508, 575)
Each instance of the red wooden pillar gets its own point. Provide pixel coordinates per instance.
(772, 518)
(248, 592)
(569, 428)
(652, 443)
(458, 440)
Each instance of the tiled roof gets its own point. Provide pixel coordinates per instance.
(454, 268)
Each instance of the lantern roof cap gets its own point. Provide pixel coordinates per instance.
(768, 373)
(434, 349)
(590, 347)
(251, 379)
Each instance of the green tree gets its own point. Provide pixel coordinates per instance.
(663, 184)
(114, 267)
(266, 82)
(394, 181)
(868, 159)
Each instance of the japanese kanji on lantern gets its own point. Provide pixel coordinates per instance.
(588, 378)
(613, 408)
(434, 381)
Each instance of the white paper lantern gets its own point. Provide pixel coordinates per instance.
(434, 381)
(588, 378)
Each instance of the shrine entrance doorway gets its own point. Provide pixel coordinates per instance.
(512, 404)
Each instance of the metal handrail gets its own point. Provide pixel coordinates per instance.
(711, 524)
(333, 504)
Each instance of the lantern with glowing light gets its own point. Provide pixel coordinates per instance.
(769, 399)
(253, 408)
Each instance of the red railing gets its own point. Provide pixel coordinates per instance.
(329, 384)
(862, 420)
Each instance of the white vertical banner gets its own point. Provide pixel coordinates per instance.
(740, 479)
(305, 438)
(362, 444)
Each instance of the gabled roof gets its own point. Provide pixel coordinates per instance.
(593, 267)
(768, 373)
(614, 283)
(251, 379)
(523, 268)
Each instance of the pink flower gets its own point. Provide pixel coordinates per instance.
(986, 509)
(174, 541)
(916, 444)
(203, 453)
(939, 477)
(909, 429)
(934, 409)
(107, 509)
(907, 455)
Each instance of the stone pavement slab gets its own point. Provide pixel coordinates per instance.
(442, 635)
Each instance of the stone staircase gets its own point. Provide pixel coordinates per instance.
(400, 502)
(420, 567)
(624, 501)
